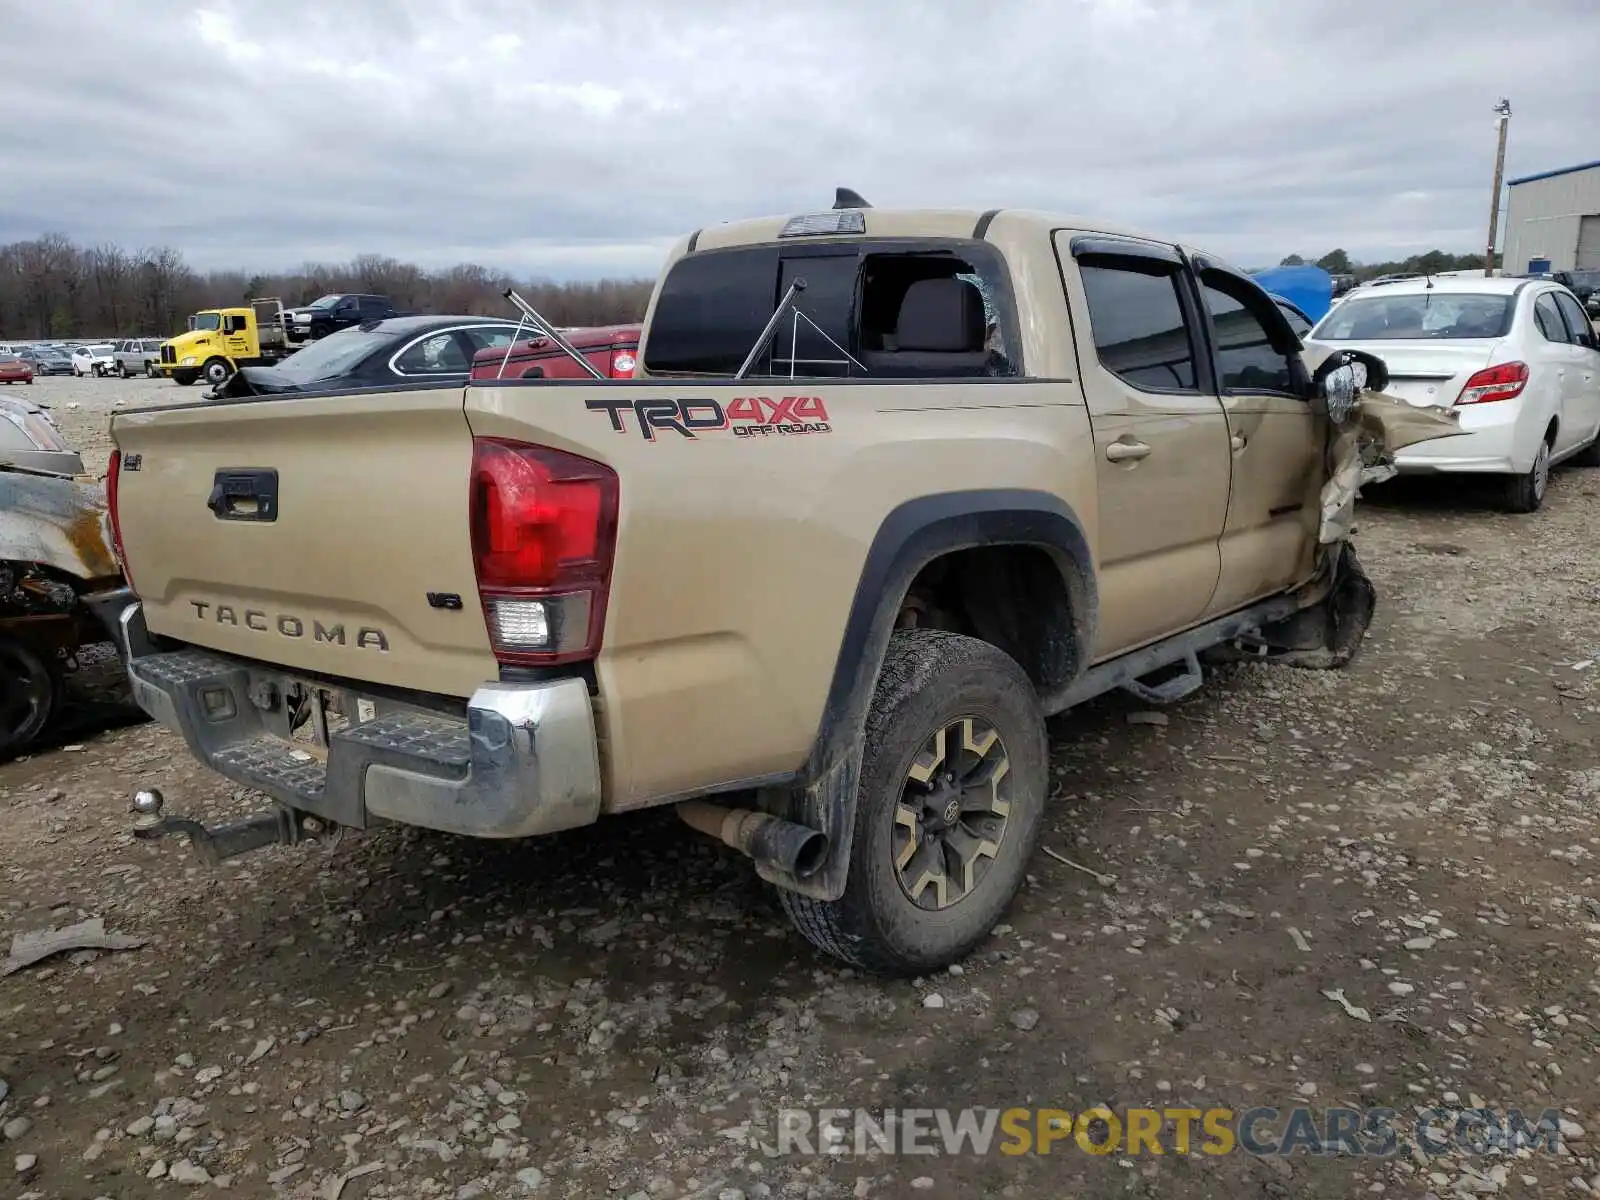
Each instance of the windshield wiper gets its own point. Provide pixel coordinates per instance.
(531, 315)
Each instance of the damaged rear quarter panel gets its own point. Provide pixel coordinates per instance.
(56, 522)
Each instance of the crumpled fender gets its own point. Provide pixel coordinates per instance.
(1362, 451)
(56, 522)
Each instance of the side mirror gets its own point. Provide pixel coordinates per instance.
(1344, 375)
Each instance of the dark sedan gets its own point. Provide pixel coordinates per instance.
(378, 354)
(46, 360)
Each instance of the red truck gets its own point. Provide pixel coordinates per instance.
(612, 350)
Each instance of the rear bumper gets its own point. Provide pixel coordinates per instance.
(518, 760)
(1506, 447)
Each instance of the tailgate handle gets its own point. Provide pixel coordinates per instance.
(245, 494)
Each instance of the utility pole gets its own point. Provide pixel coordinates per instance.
(1503, 112)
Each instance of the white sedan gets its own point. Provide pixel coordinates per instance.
(1516, 358)
(93, 360)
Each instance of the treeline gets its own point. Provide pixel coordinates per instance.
(52, 287)
(1337, 262)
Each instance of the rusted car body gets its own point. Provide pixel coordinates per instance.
(53, 552)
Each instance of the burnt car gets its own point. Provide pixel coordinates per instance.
(54, 553)
(378, 354)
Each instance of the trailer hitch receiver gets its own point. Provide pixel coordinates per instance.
(278, 826)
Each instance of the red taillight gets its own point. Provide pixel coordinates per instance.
(544, 526)
(113, 478)
(623, 363)
(1503, 382)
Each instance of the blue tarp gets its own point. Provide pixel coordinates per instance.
(1310, 289)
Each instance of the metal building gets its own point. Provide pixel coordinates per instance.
(1553, 220)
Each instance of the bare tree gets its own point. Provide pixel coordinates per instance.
(50, 287)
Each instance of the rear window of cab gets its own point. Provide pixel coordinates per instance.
(869, 308)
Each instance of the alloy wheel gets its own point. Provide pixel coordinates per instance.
(951, 816)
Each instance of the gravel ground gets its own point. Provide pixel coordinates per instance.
(622, 1010)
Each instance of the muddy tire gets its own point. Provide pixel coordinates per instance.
(216, 371)
(30, 689)
(952, 788)
(1525, 493)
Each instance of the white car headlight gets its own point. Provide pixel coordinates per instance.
(189, 361)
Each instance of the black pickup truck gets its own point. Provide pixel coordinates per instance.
(333, 312)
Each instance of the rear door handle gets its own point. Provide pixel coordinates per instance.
(1238, 441)
(1126, 451)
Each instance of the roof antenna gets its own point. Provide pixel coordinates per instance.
(847, 198)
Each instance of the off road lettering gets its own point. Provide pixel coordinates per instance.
(745, 415)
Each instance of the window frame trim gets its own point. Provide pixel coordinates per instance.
(421, 337)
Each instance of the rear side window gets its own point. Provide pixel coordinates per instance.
(869, 309)
(711, 310)
(1139, 329)
(1578, 325)
(1548, 318)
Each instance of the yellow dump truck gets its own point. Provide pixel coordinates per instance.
(221, 340)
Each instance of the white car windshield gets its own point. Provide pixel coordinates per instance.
(1430, 316)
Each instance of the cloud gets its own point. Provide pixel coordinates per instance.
(578, 140)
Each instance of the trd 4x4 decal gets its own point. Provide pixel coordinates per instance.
(746, 416)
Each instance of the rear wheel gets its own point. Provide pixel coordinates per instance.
(1525, 493)
(217, 371)
(948, 806)
(150, 370)
(30, 686)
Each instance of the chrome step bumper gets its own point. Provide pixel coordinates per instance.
(516, 761)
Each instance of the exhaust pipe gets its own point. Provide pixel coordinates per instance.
(795, 849)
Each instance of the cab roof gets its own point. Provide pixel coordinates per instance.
(904, 222)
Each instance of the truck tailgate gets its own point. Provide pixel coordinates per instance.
(369, 520)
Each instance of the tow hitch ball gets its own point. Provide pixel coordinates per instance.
(278, 826)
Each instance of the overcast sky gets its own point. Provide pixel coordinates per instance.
(579, 139)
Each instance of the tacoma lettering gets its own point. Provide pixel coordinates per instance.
(288, 625)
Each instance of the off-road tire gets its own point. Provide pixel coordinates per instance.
(1525, 493)
(216, 371)
(30, 690)
(930, 680)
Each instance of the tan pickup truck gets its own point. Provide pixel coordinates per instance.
(890, 488)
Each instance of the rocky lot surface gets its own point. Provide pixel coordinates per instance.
(622, 1011)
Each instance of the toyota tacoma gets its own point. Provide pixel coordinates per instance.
(887, 489)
